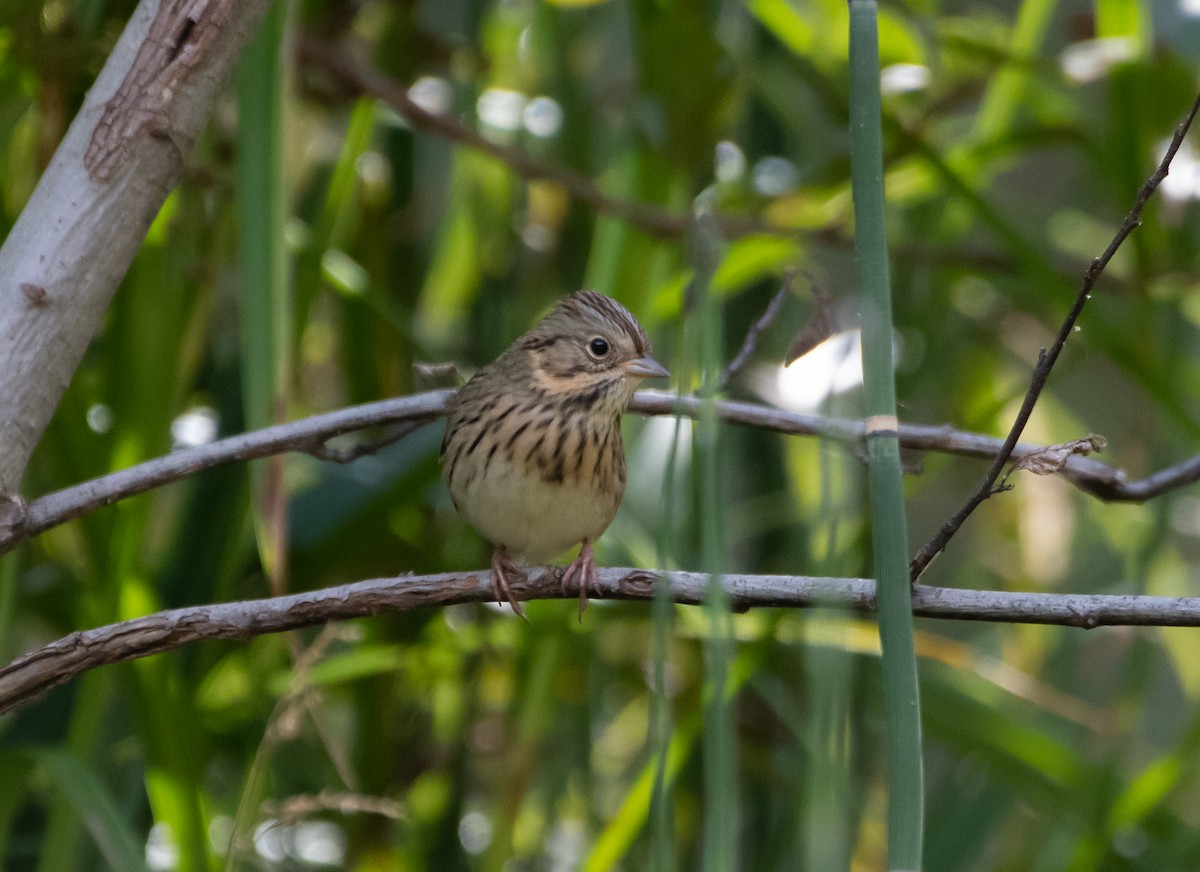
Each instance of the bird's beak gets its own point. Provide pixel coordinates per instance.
(646, 367)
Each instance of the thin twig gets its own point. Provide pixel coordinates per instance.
(647, 217)
(301, 806)
(1047, 357)
(40, 670)
(654, 220)
(322, 450)
(307, 435)
(750, 343)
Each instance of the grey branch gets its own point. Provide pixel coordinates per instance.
(38, 671)
(308, 435)
(78, 233)
(311, 435)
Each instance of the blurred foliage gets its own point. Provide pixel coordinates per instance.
(1015, 133)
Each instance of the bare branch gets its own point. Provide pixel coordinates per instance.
(652, 219)
(647, 217)
(1048, 357)
(310, 436)
(362, 78)
(322, 451)
(38, 671)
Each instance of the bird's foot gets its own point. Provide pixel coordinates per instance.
(502, 569)
(583, 567)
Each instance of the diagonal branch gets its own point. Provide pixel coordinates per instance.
(79, 231)
(654, 220)
(1048, 357)
(763, 324)
(308, 435)
(40, 670)
(368, 80)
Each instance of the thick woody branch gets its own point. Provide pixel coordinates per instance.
(38, 671)
(311, 435)
(83, 224)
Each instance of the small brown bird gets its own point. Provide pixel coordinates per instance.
(533, 456)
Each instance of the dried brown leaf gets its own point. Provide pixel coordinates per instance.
(1053, 458)
(817, 330)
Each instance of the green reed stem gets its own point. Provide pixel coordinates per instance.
(266, 314)
(662, 832)
(889, 532)
(720, 759)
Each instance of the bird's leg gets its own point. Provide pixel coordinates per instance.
(583, 566)
(502, 568)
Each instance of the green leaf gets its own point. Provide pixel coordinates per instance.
(751, 259)
(104, 820)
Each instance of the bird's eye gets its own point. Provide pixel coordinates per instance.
(598, 347)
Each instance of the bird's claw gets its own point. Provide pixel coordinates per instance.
(502, 566)
(583, 567)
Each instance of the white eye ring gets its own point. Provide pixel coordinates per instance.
(598, 347)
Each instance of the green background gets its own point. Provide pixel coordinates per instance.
(319, 250)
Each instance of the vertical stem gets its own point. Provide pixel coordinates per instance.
(889, 532)
(265, 299)
(662, 841)
(720, 767)
(662, 849)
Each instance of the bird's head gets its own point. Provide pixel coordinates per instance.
(590, 350)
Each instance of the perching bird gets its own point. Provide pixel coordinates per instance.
(533, 456)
